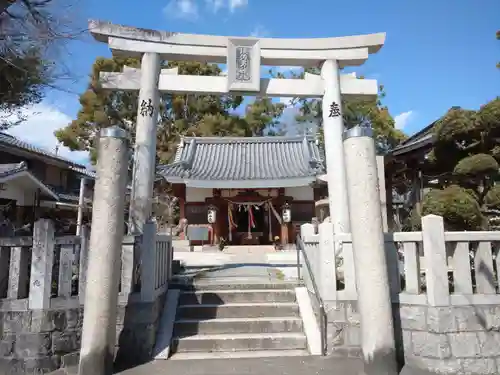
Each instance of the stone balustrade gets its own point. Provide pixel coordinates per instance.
(42, 294)
(444, 290)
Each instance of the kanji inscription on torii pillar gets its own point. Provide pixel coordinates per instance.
(243, 64)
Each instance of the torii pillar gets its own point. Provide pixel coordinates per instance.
(333, 131)
(144, 173)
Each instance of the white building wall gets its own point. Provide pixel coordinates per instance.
(197, 194)
(301, 193)
(11, 190)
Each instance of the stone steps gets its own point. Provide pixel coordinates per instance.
(236, 296)
(238, 310)
(239, 342)
(229, 283)
(188, 327)
(215, 319)
(240, 354)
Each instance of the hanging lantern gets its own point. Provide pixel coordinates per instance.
(286, 213)
(211, 215)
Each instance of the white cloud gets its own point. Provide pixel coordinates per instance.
(402, 120)
(186, 9)
(234, 4)
(259, 31)
(42, 121)
(215, 5)
(231, 5)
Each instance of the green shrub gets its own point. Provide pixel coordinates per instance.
(477, 165)
(492, 199)
(458, 208)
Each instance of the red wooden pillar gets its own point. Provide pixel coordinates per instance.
(179, 191)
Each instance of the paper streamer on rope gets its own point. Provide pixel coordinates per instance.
(247, 206)
(231, 222)
(276, 214)
(251, 221)
(269, 222)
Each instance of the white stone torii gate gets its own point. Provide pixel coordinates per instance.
(244, 57)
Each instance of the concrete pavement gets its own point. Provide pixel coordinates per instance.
(252, 366)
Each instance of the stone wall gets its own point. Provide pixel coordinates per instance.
(343, 329)
(136, 329)
(450, 340)
(445, 340)
(35, 341)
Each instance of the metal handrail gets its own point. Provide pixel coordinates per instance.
(322, 318)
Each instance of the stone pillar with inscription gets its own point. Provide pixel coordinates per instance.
(374, 300)
(333, 128)
(144, 169)
(103, 271)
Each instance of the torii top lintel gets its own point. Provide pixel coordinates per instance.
(132, 41)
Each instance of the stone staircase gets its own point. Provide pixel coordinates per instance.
(231, 320)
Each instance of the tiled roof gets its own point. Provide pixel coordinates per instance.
(85, 171)
(21, 168)
(9, 140)
(9, 169)
(241, 162)
(419, 140)
(72, 198)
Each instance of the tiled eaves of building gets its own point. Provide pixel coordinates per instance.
(7, 170)
(9, 141)
(422, 139)
(280, 160)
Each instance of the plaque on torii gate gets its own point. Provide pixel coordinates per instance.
(243, 65)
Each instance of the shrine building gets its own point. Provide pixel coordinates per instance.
(247, 190)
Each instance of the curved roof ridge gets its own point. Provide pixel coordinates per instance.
(259, 139)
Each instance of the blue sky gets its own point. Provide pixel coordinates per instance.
(437, 54)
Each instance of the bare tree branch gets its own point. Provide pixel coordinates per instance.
(33, 38)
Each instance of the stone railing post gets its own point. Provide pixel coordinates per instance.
(307, 230)
(101, 292)
(83, 262)
(149, 268)
(41, 264)
(374, 301)
(128, 274)
(436, 273)
(327, 271)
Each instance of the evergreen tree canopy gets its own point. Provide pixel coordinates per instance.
(467, 150)
(362, 112)
(189, 114)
